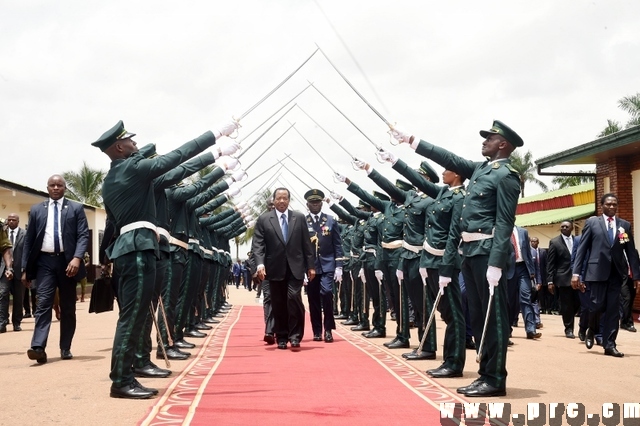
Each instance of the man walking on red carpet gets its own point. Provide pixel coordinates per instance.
(283, 252)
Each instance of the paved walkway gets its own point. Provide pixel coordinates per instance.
(76, 392)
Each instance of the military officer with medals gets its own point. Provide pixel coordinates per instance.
(486, 224)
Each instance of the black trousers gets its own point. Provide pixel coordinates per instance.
(345, 290)
(420, 300)
(569, 306)
(377, 294)
(169, 293)
(51, 275)
(320, 297)
(267, 308)
(15, 288)
(605, 298)
(288, 309)
(627, 296)
(188, 291)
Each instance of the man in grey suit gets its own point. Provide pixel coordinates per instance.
(55, 242)
(283, 252)
(559, 276)
(607, 244)
(12, 285)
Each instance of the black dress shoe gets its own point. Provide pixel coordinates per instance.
(194, 333)
(17, 328)
(444, 372)
(569, 334)
(328, 337)
(130, 391)
(470, 344)
(144, 388)
(386, 344)
(613, 352)
(295, 343)
(66, 354)
(37, 354)
(581, 335)
(317, 338)
(27, 316)
(173, 353)
(151, 370)
(485, 389)
(628, 327)
(477, 382)
(350, 322)
(282, 345)
(183, 344)
(534, 335)
(361, 327)
(269, 339)
(3, 328)
(375, 333)
(341, 316)
(588, 339)
(417, 356)
(210, 320)
(399, 344)
(510, 343)
(202, 326)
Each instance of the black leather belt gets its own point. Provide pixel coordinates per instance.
(46, 253)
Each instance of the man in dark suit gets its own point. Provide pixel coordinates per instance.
(283, 251)
(559, 276)
(328, 247)
(54, 245)
(520, 275)
(608, 245)
(6, 273)
(539, 256)
(10, 281)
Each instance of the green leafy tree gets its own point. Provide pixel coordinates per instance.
(613, 126)
(561, 182)
(258, 206)
(630, 105)
(523, 164)
(85, 185)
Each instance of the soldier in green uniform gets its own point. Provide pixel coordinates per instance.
(486, 224)
(129, 200)
(345, 287)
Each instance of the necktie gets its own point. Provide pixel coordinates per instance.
(56, 239)
(316, 218)
(569, 243)
(285, 226)
(11, 236)
(610, 226)
(515, 245)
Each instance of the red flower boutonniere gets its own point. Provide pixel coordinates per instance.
(325, 230)
(623, 237)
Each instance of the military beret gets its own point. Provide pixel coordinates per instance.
(381, 196)
(363, 205)
(499, 128)
(314, 195)
(405, 186)
(426, 169)
(112, 135)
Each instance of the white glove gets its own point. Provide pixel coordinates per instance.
(226, 129)
(362, 165)
(387, 156)
(400, 135)
(335, 195)
(493, 277)
(241, 206)
(233, 191)
(340, 178)
(225, 147)
(379, 275)
(248, 219)
(337, 275)
(443, 282)
(329, 201)
(239, 175)
(306, 279)
(228, 163)
(361, 275)
(251, 224)
(399, 275)
(423, 274)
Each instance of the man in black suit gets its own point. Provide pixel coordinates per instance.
(608, 245)
(55, 242)
(283, 252)
(559, 276)
(539, 256)
(10, 281)
(520, 276)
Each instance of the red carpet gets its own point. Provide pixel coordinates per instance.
(238, 380)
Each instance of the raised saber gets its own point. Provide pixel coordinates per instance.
(265, 132)
(269, 147)
(312, 176)
(314, 150)
(326, 132)
(375, 111)
(263, 172)
(276, 88)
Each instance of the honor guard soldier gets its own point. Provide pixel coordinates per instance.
(486, 223)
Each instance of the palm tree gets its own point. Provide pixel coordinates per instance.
(526, 170)
(85, 186)
(258, 206)
(613, 126)
(631, 105)
(567, 181)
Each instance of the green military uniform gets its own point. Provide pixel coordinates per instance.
(345, 288)
(488, 216)
(129, 200)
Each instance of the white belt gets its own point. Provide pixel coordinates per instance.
(137, 225)
(369, 250)
(433, 251)
(475, 236)
(415, 249)
(194, 241)
(392, 245)
(179, 243)
(206, 251)
(164, 233)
